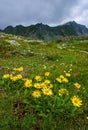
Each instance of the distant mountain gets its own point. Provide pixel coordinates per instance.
(45, 32)
(79, 29)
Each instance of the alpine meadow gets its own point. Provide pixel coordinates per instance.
(44, 82)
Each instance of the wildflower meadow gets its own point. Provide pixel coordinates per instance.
(45, 98)
(43, 87)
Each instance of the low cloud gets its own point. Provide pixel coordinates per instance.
(51, 12)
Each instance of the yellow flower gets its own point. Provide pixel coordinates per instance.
(76, 101)
(63, 91)
(68, 74)
(5, 76)
(65, 80)
(77, 85)
(59, 80)
(19, 76)
(28, 83)
(43, 85)
(18, 69)
(13, 78)
(36, 94)
(14, 68)
(47, 82)
(61, 77)
(87, 117)
(38, 78)
(16, 77)
(37, 85)
(47, 91)
(47, 74)
(46, 85)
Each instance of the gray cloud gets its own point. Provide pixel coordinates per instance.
(51, 12)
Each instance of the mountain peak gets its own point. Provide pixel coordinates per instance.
(45, 32)
(41, 24)
(71, 23)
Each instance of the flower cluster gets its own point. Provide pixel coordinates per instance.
(42, 85)
(45, 87)
(12, 77)
(63, 91)
(62, 79)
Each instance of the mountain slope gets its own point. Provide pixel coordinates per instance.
(45, 32)
(79, 29)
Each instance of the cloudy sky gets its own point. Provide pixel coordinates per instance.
(51, 12)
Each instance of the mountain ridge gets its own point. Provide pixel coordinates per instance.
(46, 32)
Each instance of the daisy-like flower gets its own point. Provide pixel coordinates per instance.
(46, 82)
(28, 83)
(19, 76)
(47, 74)
(18, 69)
(36, 94)
(47, 91)
(13, 78)
(77, 85)
(5, 76)
(76, 101)
(43, 85)
(38, 78)
(61, 77)
(65, 80)
(68, 74)
(59, 80)
(37, 85)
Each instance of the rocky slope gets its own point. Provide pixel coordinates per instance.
(47, 33)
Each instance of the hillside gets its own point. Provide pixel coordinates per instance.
(43, 85)
(47, 33)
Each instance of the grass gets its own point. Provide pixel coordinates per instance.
(19, 109)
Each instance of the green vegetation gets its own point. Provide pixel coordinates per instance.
(43, 85)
